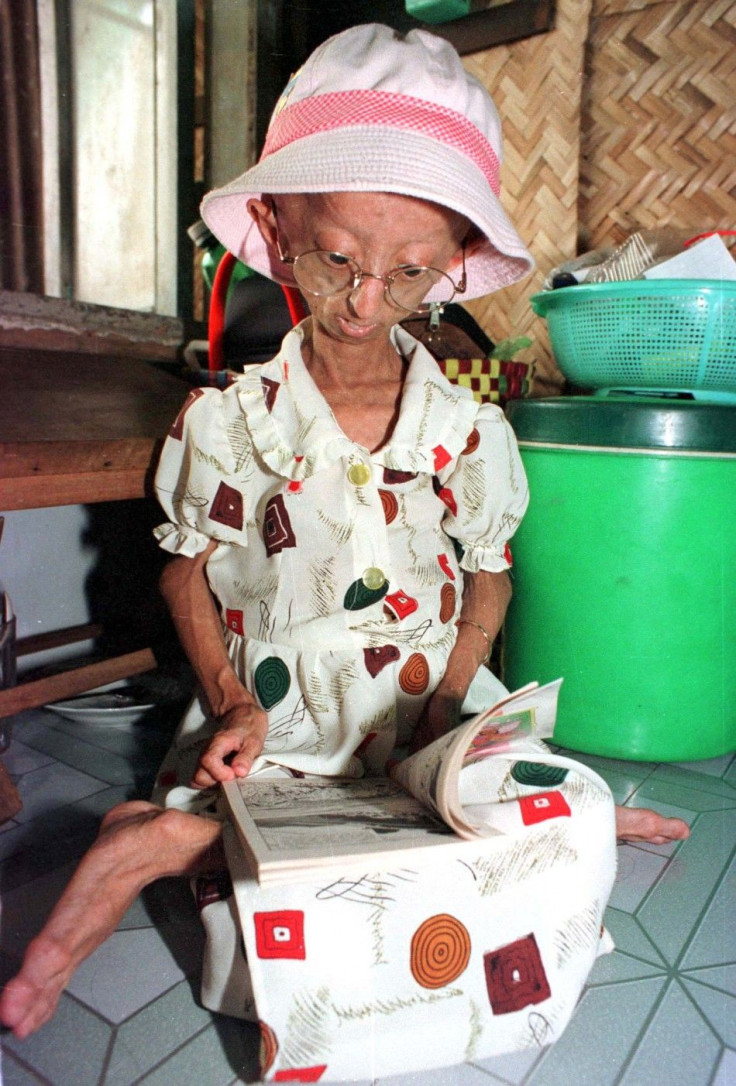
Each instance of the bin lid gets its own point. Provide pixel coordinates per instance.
(625, 422)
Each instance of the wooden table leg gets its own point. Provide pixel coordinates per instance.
(67, 684)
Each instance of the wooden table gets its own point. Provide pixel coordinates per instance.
(76, 429)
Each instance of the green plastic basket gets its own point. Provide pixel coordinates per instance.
(675, 335)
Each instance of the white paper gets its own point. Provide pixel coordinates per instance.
(707, 259)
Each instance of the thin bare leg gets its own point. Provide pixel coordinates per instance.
(641, 824)
(137, 844)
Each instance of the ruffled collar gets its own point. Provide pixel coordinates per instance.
(296, 434)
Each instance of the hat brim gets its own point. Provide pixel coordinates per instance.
(370, 158)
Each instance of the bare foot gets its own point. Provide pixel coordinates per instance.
(138, 843)
(31, 998)
(642, 824)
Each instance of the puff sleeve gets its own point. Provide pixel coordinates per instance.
(201, 475)
(486, 494)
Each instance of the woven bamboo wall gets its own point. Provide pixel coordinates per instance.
(536, 85)
(658, 135)
(624, 116)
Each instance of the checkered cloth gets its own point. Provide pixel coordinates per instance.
(490, 380)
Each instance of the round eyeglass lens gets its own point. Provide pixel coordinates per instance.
(408, 287)
(322, 273)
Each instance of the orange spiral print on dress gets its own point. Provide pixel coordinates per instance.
(269, 1047)
(390, 505)
(414, 675)
(440, 951)
(447, 602)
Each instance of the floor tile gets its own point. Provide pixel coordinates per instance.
(674, 909)
(94, 760)
(630, 938)
(70, 1050)
(26, 908)
(462, 1075)
(149, 1037)
(148, 737)
(726, 1073)
(722, 977)
(600, 1036)
(676, 1039)
(170, 907)
(714, 938)
(513, 1068)
(718, 1008)
(214, 1057)
(637, 872)
(15, 836)
(19, 759)
(694, 793)
(637, 771)
(12, 1073)
(617, 967)
(127, 972)
(52, 786)
(622, 780)
(714, 767)
(58, 838)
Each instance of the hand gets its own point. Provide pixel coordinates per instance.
(441, 714)
(233, 749)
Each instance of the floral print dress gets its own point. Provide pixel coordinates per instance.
(339, 576)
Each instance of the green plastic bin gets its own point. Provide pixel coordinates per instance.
(625, 573)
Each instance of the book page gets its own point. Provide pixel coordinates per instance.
(432, 773)
(291, 824)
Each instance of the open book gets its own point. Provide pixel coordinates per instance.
(288, 825)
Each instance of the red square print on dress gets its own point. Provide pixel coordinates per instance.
(301, 1074)
(515, 976)
(280, 934)
(277, 530)
(543, 806)
(177, 430)
(400, 605)
(441, 457)
(270, 389)
(227, 508)
(234, 621)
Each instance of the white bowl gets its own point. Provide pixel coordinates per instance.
(107, 707)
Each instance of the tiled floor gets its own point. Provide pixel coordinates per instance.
(660, 1010)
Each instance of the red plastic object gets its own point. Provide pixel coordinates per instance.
(709, 234)
(215, 356)
(217, 312)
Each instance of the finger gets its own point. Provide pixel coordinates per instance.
(205, 778)
(202, 779)
(212, 767)
(242, 763)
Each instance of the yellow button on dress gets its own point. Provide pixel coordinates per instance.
(359, 474)
(374, 578)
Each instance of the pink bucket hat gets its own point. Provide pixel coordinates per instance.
(372, 110)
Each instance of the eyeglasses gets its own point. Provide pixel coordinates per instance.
(325, 273)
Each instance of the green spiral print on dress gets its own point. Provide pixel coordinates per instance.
(272, 681)
(538, 774)
(359, 596)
